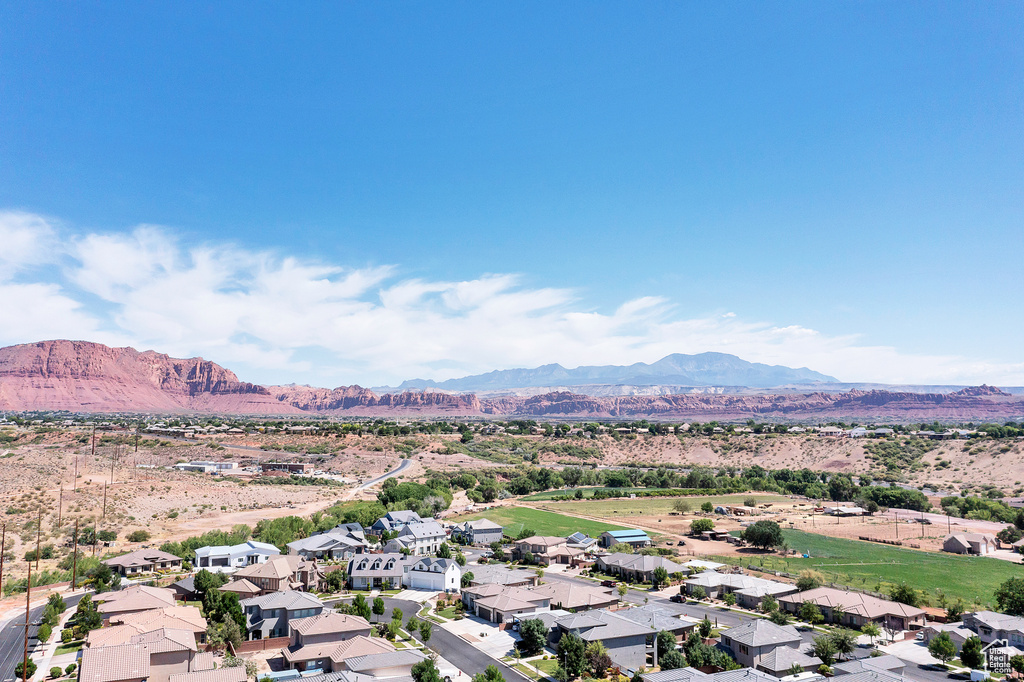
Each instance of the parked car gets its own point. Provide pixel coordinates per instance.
(681, 543)
(609, 583)
(677, 598)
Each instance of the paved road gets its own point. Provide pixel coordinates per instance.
(12, 637)
(452, 648)
(405, 464)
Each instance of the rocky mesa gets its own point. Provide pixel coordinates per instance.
(80, 376)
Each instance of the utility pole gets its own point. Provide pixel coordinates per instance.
(39, 535)
(74, 560)
(28, 592)
(896, 523)
(3, 548)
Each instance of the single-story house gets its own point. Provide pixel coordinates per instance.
(970, 543)
(857, 608)
(658, 618)
(636, 567)
(500, 604)
(991, 626)
(132, 600)
(576, 597)
(749, 590)
(143, 561)
(631, 645)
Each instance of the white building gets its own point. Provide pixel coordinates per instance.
(419, 538)
(439, 575)
(235, 556)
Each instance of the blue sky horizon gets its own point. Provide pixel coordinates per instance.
(367, 193)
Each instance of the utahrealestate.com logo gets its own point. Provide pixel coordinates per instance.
(997, 658)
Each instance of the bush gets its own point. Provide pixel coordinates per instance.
(56, 671)
(138, 536)
(66, 635)
(70, 670)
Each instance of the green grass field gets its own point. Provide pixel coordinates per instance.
(876, 567)
(653, 505)
(514, 519)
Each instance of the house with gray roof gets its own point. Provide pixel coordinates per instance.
(660, 618)
(694, 675)
(370, 571)
(438, 575)
(500, 574)
(753, 640)
(856, 608)
(749, 590)
(268, 616)
(419, 538)
(341, 542)
(478, 532)
(235, 556)
(143, 561)
(991, 626)
(636, 567)
(631, 645)
(386, 665)
(394, 521)
(887, 663)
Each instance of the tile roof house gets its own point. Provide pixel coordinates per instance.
(634, 537)
(545, 549)
(857, 608)
(150, 657)
(143, 561)
(235, 556)
(478, 532)
(236, 674)
(269, 615)
(126, 625)
(315, 639)
(970, 543)
(242, 587)
(287, 572)
(369, 571)
(500, 604)
(636, 567)
(576, 597)
(341, 542)
(133, 599)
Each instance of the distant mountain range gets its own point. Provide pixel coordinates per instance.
(85, 377)
(703, 369)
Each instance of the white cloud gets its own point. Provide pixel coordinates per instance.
(277, 318)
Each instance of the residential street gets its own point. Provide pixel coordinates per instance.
(12, 637)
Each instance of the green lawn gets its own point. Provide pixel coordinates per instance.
(871, 566)
(515, 519)
(68, 648)
(653, 505)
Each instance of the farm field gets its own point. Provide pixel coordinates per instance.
(515, 519)
(655, 506)
(876, 567)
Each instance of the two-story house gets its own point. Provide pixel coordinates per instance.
(771, 648)
(394, 521)
(286, 572)
(545, 550)
(314, 639)
(478, 532)
(269, 615)
(372, 571)
(341, 542)
(420, 539)
(439, 575)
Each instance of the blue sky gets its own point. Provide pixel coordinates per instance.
(337, 193)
